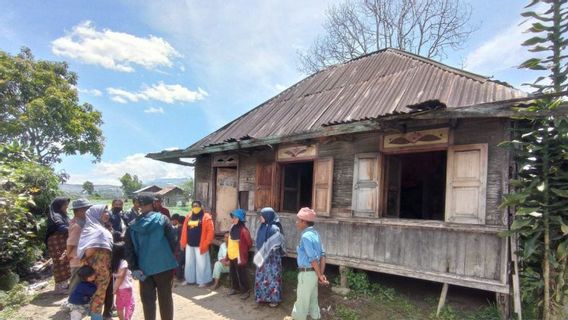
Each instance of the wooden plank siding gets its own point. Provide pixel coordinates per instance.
(459, 256)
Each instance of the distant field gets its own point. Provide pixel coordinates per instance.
(128, 204)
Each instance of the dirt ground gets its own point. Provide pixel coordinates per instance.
(190, 302)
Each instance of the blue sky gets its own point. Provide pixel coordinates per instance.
(167, 73)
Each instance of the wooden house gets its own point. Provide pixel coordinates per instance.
(152, 188)
(171, 195)
(398, 155)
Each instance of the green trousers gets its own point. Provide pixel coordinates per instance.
(307, 296)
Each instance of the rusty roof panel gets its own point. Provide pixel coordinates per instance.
(381, 83)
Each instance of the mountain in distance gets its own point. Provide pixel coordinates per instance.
(164, 182)
(105, 191)
(110, 191)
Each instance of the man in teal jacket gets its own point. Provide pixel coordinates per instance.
(150, 243)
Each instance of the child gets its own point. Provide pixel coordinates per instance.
(238, 248)
(123, 283)
(222, 263)
(80, 298)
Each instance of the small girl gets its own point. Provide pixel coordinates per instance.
(123, 283)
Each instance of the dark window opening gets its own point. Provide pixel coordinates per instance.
(416, 185)
(297, 182)
(243, 200)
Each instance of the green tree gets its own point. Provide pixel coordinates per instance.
(187, 186)
(40, 109)
(89, 187)
(130, 184)
(541, 153)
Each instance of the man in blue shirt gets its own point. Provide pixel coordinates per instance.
(311, 267)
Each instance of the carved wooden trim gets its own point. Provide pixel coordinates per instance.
(225, 160)
(416, 138)
(297, 152)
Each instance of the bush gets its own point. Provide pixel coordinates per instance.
(26, 188)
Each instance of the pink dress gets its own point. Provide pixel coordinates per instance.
(124, 294)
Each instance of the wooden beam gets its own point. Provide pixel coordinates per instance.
(442, 301)
(516, 286)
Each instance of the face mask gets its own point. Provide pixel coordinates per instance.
(196, 210)
(116, 210)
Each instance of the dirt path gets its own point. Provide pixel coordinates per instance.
(190, 302)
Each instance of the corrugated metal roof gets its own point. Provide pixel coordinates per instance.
(381, 83)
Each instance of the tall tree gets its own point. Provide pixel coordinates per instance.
(355, 28)
(187, 186)
(40, 109)
(130, 184)
(89, 187)
(540, 197)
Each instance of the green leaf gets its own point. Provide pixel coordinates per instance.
(519, 224)
(560, 193)
(564, 229)
(562, 250)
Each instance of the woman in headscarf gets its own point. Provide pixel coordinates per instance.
(197, 232)
(94, 249)
(56, 241)
(237, 253)
(268, 259)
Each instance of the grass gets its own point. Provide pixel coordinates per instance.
(11, 301)
(371, 300)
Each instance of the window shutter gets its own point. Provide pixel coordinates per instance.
(466, 184)
(266, 186)
(366, 178)
(323, 181)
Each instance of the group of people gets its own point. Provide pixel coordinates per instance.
(98, 254)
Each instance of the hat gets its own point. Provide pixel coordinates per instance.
(239, 213)
(80, 203)
(307, 214)
(146, 198)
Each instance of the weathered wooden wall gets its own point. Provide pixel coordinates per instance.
(203, 174)
(492, 132)
(461, 255)
(343, 152)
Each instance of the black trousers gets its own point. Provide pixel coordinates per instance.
(162, 284)
(239, 277)
(109, 301)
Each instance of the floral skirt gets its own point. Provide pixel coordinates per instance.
(268, 280)
(56, 245)
(100, 261)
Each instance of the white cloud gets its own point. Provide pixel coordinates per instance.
(168, 93)
(244, 53)
(154, 110)
(114, 50)
(92, 92)
(503, 51)
(137, 164)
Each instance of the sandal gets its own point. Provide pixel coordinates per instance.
(273, 304)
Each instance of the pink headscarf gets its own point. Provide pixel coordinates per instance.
(307, 214)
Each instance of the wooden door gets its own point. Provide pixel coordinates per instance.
(267, 185)
(322, 189)
(366, 178)
(466, 184)
(226, 198)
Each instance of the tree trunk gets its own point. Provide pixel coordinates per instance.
(545, 215)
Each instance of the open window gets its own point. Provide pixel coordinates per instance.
(416, 185)
(297, 185)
